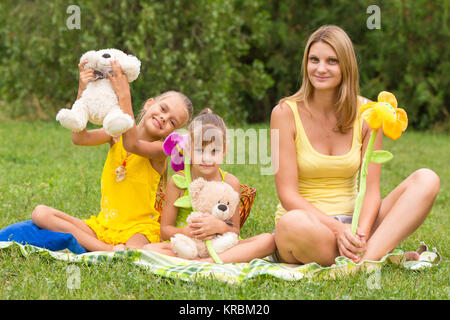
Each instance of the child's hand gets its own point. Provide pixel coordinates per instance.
(85, 75)
(119, 81)
(350, 245)
(206, 227)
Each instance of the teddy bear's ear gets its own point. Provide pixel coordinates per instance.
(91, 58)
(196, 187)
(130, 66)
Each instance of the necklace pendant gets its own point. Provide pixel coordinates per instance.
(121, 172)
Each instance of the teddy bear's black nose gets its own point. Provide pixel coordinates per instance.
(106, 55)
(222, 207)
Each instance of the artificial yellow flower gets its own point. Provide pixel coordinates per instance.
(385, 113)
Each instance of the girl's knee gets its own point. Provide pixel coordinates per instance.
(268, 241)
(40, 212)
(137, 241)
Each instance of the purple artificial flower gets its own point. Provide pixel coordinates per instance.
(174, 146)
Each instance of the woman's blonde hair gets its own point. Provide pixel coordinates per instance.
(346, 104)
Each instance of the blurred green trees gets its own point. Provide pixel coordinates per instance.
(235, 56)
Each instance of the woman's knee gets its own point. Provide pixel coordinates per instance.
(427, 180)
(293, 226)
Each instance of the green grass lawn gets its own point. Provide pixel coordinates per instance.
(40, 165)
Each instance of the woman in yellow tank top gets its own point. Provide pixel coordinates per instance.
(131, 173)
(321, 143)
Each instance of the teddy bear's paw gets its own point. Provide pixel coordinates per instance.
(116, 123)
(183, 246)
(224, 242)
(69, 120)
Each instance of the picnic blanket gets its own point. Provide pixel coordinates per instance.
(172, 267)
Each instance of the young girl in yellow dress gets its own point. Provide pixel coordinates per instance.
(131, 173)
(206, 157)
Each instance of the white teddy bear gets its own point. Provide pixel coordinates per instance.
(208, 197)
(98, 102)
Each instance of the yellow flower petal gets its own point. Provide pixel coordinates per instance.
(366, 106)
(392, 129)
(385, 111)
(402, 117)
(372, 118)
(388, 97)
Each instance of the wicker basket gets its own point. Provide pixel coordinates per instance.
(247, 196)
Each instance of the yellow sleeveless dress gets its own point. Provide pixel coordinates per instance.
(128, 206)
(330, 183)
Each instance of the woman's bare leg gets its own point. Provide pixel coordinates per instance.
(402, 212)
(300, 237)
(51, 219)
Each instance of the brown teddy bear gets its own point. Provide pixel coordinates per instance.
(208, 197)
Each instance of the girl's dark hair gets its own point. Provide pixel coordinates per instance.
(207, 119)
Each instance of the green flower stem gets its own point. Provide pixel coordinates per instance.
(362, 181)
(212, 252)
(187, 169)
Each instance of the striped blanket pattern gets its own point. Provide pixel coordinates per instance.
(172, 267)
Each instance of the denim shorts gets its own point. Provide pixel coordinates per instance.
(344, 218)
